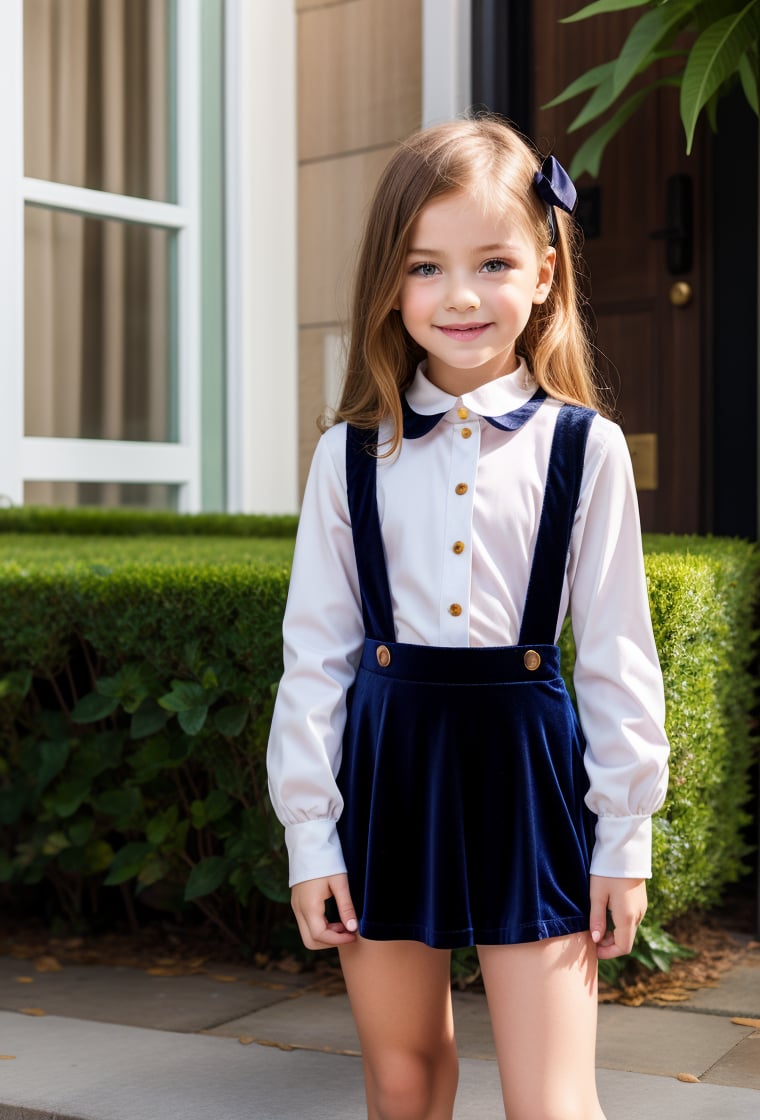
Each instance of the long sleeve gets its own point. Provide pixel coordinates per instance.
(617, 675)
(323, 634)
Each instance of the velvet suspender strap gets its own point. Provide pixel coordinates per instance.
(563, 484)
(361, 475)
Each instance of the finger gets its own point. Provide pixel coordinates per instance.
(598, 918)
(318, 933)
(346, 910)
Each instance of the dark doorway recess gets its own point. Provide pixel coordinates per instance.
(502, 48)
(734, 383)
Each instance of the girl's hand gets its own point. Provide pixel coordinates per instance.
(308, 902)
(626, 900)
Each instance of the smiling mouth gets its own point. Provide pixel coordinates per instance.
(465, 332)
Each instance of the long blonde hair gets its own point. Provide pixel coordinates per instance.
(488, 159)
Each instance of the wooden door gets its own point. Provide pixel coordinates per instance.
(651, 350)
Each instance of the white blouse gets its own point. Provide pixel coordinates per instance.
(483, 490)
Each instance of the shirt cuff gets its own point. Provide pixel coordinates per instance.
(623, 848)
(314, 850)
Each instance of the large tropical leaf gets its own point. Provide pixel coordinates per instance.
(587, 81)
(604, 94)
(601, 7)
(657, 28)
(715, 56)
(748, 76)
(589, 155)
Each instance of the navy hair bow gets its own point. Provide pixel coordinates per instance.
(555, 187)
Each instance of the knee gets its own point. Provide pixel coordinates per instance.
(408, 1086)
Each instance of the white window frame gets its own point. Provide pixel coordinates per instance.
(261, 270)
(32, 458)
(446, 65)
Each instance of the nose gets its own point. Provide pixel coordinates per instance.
(461, 295)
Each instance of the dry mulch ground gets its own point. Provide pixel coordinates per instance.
(717, 940)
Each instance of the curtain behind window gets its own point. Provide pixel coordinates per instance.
(97, 292)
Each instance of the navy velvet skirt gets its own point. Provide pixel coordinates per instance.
(463, 780)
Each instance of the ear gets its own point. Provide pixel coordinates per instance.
(545, 275)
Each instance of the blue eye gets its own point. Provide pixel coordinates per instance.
(424, 270)
(495, 265)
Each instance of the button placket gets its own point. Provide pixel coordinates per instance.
(457, 531)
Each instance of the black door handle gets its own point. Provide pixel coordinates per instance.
(678, 234)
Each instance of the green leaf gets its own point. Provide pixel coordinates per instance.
(590, 80)
(713, 59)
(80, 831)
(589, 155)
(206, 876)
(602, 7)
(217, 804)
(55, 843)
(272, 881)
(52, 757)
(184, 695)
(192, 720)
(119, 804)
(16, 683)
(127, 863)
(128, 681)
(67, 797)
(97, 857)
(231, 720)
(656, 28)
(162, 825)
(153, 871)
(94, 707)
(601, 99)
(748, 77)
(149, 718)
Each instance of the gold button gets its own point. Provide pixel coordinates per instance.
(458, 547)
(383, 656)
(466, 433)
(532, 660)
(460, 488)
(455, 609)
(462, 413)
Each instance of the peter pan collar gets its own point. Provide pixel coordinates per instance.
(503, 402)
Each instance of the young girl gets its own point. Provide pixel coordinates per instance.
(427, 763)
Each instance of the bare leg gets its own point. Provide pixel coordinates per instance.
(543, 1002)
(400, 995)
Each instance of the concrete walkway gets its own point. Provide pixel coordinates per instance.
(105, 1043)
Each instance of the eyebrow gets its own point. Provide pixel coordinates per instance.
(502, 247)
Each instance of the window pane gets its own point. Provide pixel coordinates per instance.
(98, 100)
(98, 307)
(130, 495)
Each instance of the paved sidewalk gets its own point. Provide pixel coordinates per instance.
(119, 1044)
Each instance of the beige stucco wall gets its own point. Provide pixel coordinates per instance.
(359, 91)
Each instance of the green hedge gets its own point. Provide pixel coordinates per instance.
(133, 522)
(136, 686)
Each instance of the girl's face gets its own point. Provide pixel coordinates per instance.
(470, 282)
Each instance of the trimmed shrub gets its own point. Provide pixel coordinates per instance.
(136, 683)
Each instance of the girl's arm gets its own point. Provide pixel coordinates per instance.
(617, 674)
(323, 635)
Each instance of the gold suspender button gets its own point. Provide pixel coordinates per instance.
(531, 660)
(383, 656)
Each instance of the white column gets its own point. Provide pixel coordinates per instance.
(11, 250)
(262, 414)
(446, 68)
